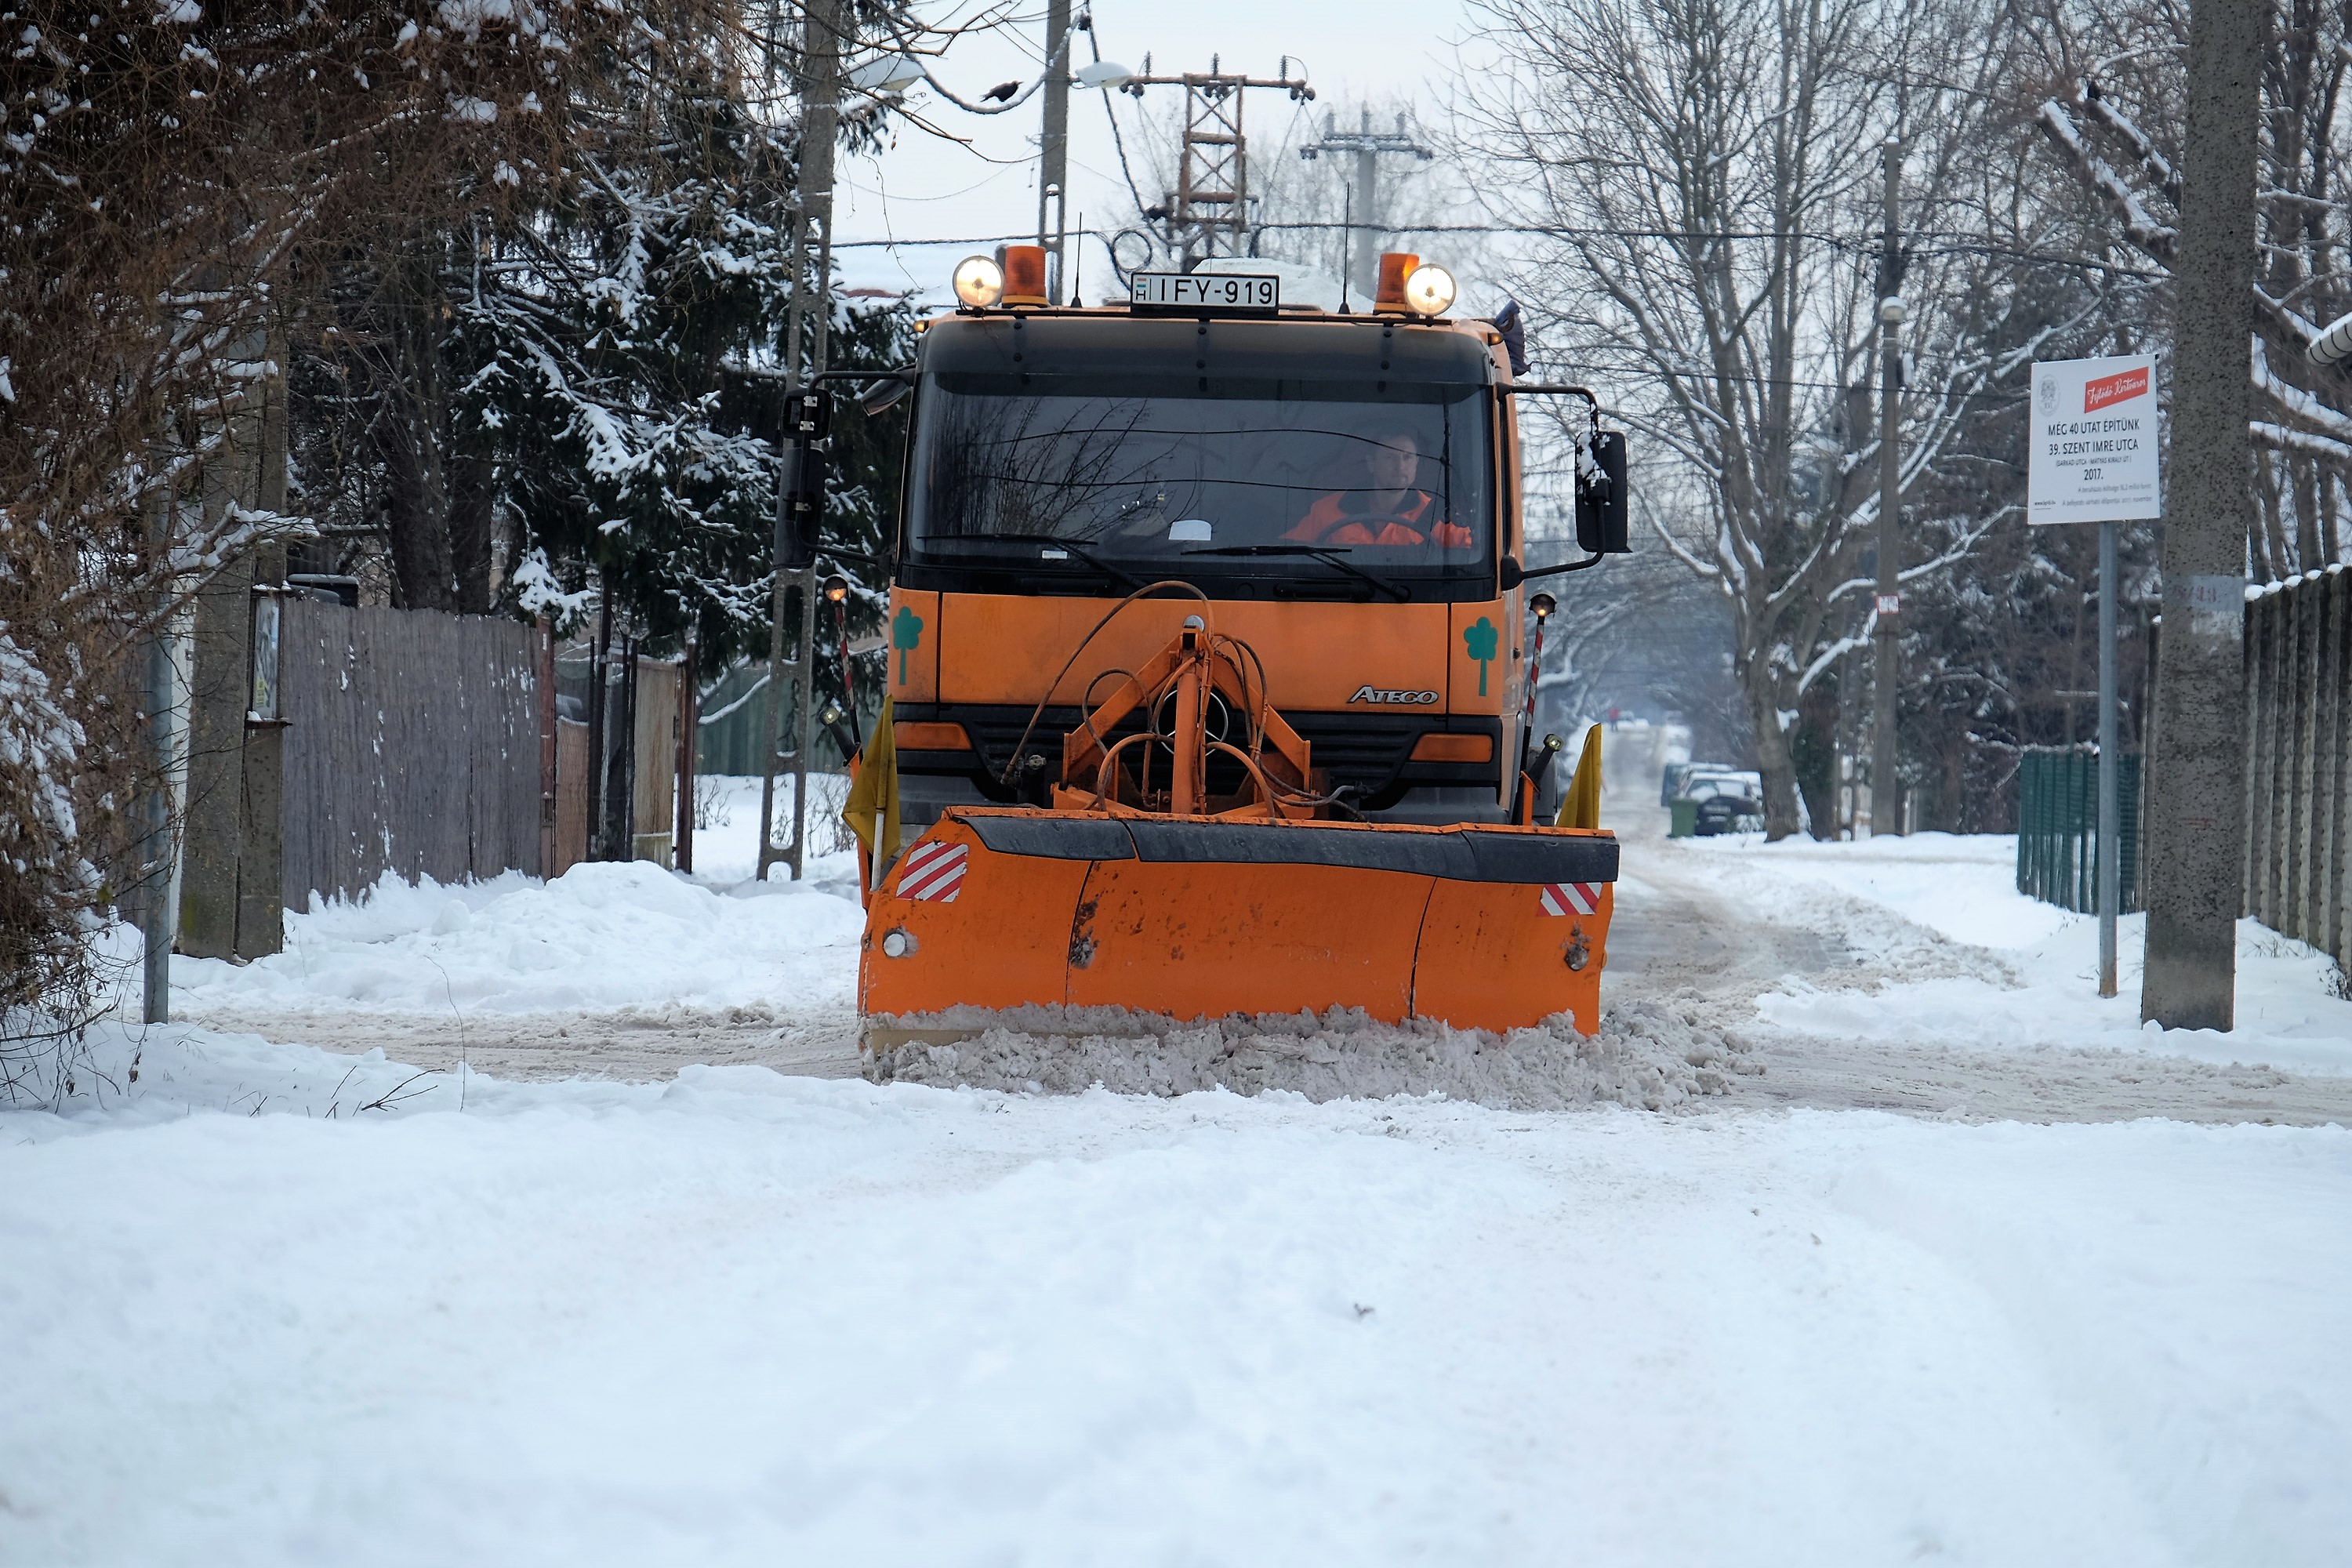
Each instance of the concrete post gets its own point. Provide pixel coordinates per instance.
(157, 827)
(261, 830)
(689, 707)
(789, 679)
(1053, 148)
(2197, 821)
(220, 676)
(547, 780)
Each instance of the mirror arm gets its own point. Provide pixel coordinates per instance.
(1572, 566)
(875, 400)
(879, 563)
(1591, 403)
(905, 372)
(1548, 388)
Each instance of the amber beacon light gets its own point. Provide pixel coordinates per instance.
(1396, 265)
(1025, 275)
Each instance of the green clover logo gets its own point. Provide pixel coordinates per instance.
(1481, 640)
(906, 635)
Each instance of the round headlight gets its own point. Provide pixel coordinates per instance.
(980, 282)
(1429, 290)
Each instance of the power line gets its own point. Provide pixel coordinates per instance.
(1865, 244)
(1117, 141)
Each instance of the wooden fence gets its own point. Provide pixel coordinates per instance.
(2299, 759)
(653, 798)
(412, 746)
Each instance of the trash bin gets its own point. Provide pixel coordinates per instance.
(1686, 818)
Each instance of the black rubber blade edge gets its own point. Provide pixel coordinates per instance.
(1460, 855)
(1053, 837)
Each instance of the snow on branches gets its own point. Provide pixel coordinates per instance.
(2110, 128)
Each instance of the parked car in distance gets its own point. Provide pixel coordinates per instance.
(1728, 801)
(1680, 774)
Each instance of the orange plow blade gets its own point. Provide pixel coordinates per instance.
(1480, 927)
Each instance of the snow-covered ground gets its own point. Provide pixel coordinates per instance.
(618, 970)
(744, 1318)
(270, 1303)
(1958, 957)
(601, 935)
(604, 935)
(2044, 989)
(727, 838)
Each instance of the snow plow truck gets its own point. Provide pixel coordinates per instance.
(1210, 659)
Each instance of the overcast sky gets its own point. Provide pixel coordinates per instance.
(925, 187)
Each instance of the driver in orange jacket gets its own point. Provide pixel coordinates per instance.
(1389, 511)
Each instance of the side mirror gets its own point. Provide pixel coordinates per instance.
(1602, 512)
(884, 395)
(1513, 573)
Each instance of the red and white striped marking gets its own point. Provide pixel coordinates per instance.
(1571, 897)
(933, 870)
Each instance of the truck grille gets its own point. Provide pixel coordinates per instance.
(1368, 751)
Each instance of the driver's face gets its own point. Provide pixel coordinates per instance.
(1394, 463)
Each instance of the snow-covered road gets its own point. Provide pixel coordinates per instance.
(745, 1318)
(1901, 975)
(1909, 975)
(270, 1303)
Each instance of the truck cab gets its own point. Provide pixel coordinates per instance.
(1343, 490)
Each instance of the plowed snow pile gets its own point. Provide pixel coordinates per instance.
(1644, 1056)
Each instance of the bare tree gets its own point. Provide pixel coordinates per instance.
(2112, 118)
(1705, 203)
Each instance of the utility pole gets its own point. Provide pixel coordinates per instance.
(1054, 149)
(1885, 794)
(1210, 206)
(689, 734)
(2196, 825)
(791, 678)
(1367, 146)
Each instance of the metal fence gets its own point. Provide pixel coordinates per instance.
(727, 725)
(2058, 827)
(2299, 759)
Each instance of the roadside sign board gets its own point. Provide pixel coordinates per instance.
(2093, 456)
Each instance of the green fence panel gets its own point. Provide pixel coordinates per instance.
(2058, 827)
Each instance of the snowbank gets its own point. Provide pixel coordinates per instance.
(601, 935)
(1963, 886)
(2290, 1012)
(2288, 1017)
(745, 1318)
(1644, 1055)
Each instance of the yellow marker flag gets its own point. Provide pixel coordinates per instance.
(871, 809)
(1580, 806)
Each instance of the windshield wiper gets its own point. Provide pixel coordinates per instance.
(1117, 574)
(1329, 555)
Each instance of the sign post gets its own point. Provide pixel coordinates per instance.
(2093, 459)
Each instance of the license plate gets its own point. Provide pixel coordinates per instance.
(1205, 292)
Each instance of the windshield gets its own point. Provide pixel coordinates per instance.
(1159, 475)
